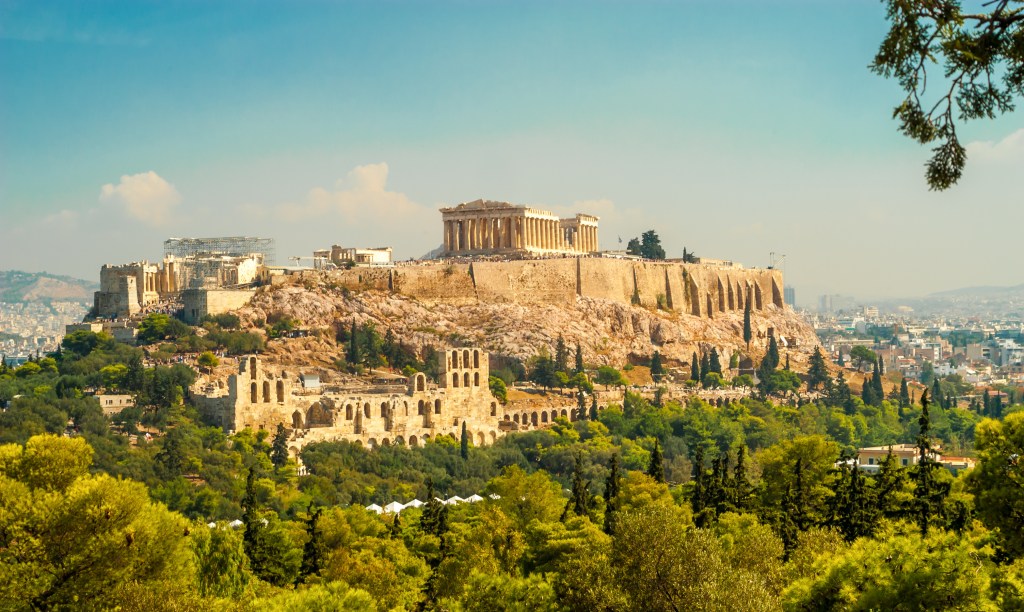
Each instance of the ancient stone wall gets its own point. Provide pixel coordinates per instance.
(436, 282)
(197, 303)
(551, 281)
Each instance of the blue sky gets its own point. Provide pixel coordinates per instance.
(734, 128)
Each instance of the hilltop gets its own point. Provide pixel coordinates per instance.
(18, 286)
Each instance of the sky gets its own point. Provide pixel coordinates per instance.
(733, 128)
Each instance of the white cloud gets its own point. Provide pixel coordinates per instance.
(1010, 148)
(145, 196)
(362, 196)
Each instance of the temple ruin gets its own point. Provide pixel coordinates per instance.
(486, 227)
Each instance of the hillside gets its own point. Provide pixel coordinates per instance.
(17, 286)
(609, 331)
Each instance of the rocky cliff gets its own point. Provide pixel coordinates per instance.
(609, 330)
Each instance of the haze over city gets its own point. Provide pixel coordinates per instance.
(733, 129)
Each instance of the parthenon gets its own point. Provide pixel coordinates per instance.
(484, 226)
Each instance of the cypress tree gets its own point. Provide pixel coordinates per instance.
(593, 408)
(881, 366)
(904, 393)
(464, 443)
(748, 333)
(315, 550)
(611, 495)
(561, 355)
(743, 492)
(714, 362)
(773, 352)
(279, 449)
(841, 362)
(698, 496)
(579, 501)
(868, 393)
(997, 406)
(889, 482)
(396, 527)
(657, 370)
(654, 469)
(986, 402)
(876, 381)
(694, 368)
(929, 494)
(581, 405)
(578, 369)
(937, 395)
(705, 366)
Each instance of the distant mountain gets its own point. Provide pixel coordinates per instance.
(983, 291)
(17, 286)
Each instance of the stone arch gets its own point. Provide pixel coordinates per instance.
(515, 418)
(476, 358)
(452, 436)
(465, 379)
(366, 410)
(252, 367)
(372, 443)
(419, 408)
(494, 437)
(494, 408)
(280, 392)
(318, 416)
(296, 420)
(413, 442)
(543, 416)
(253, 395)
(399, 441)
(266, 391)
(455, 359)
(480, 438)
(385, 442)
(358, 443)
(348, 412)
(465, 358)
(421, 382)
(455, 379)
(554, 415)
(565, 413)
(437, 406)
(476, 379)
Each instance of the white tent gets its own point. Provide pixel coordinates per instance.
(454, 499)
(414, 504)
(494, 496)
(474, 498)
(394, 507)
(375, 508)
(211, 525)
(235, 524)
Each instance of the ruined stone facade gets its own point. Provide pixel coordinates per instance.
(257, 398)
(486, 227)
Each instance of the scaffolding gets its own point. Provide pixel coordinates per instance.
(232, 246)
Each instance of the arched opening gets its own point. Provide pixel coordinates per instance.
(506, 418)
(406, 408)
(413, 442)
(476, 379)
(554, 415)
(476, 358)
(465, 379)
(515, 418)
(494, 409)
(252, 394)
(280, 392)
(296, 420)
(455, 359)
(494, 437)
(455, 379)
(565, 413)
(385, 442)
(419, 408)
(372, 442)
(421, 382)
(266, 391)
(437, 406)
(348, 412)
(544, 416)
(366, 410)
(465, 358)
(480, 439)
(399, 441)
(358, 443)
(533, 418)
(252, 367)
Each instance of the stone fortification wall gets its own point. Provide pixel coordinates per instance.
(694, 289)
(551, 281)
(197, 303)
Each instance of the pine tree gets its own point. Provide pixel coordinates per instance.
(279, 449)
(434, 519)
(714, 362)
(654, 469)
(889, 481)
(748, 333)
(578, 369)
(743, 492)
(698, 495)
(315, 550)
(657, 370)
(390, 348)
(611, 495)
(695, 368)
(561, 355)
(817, 373)
(464, 443)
